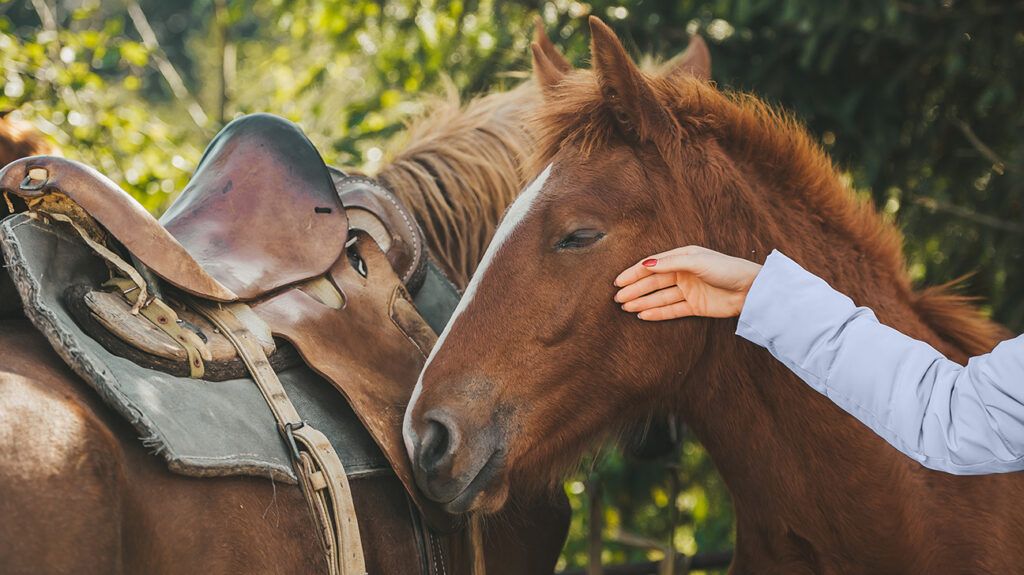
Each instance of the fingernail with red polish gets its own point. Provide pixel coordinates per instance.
(649, 263)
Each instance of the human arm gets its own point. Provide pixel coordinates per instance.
(965, 420)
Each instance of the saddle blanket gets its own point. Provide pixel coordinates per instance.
(202, 428)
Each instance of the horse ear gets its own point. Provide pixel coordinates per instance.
(695, 61)
(625, 89)
(548, 75)
(541, 38)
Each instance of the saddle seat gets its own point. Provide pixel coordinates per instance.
(260, 212)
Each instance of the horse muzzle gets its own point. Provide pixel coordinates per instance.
(451, 466)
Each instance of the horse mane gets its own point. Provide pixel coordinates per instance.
(458, 169)
(579, 115)
(19, 139)
(955, 318)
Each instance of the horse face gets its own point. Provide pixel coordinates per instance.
(538, 360)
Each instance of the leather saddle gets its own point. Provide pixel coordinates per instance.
(327, 262)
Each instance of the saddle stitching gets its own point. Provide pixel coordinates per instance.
(439, 563)
(401, 210)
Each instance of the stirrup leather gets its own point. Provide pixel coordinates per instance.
(321, 473)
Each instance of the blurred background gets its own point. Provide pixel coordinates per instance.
(921, 102)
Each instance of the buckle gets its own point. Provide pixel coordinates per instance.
(289, 437)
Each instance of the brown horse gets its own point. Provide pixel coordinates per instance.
(538, 363)
(79, 493)
(19, 139)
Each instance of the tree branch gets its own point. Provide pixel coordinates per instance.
(969, 215)
(227, 58)
(999, 166)
(48, 18)
(164, 66)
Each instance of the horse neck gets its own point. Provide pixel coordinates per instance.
(801, 474)
(775, 440)
(782, 192)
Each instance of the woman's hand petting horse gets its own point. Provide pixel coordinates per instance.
(687, 281)
(891, 382)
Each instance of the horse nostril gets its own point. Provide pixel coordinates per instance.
(436, 447)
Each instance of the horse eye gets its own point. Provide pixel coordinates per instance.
(579, 239)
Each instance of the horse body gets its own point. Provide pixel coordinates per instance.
(88, 497)
(812, 485)
(632, 164)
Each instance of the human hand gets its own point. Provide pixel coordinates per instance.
(687, 281)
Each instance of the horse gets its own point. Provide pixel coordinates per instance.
(19, 139)
(538, 364)
(82, 494)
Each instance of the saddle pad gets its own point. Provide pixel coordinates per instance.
(201, 428)
(437, 298)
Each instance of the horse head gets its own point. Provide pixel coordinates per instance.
(538, 361)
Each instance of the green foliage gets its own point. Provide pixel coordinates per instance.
(638, 497)
(921, 101)
(80, 83)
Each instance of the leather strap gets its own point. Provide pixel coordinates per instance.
(104, 252)
(134, 289)
(321, 473)
(166, 320)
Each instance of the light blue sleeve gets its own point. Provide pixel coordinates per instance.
(964, 420)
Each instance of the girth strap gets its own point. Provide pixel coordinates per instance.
(320, 471)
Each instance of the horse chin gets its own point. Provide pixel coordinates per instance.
(485, 501)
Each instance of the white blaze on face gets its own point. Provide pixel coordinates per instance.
(516, 213)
